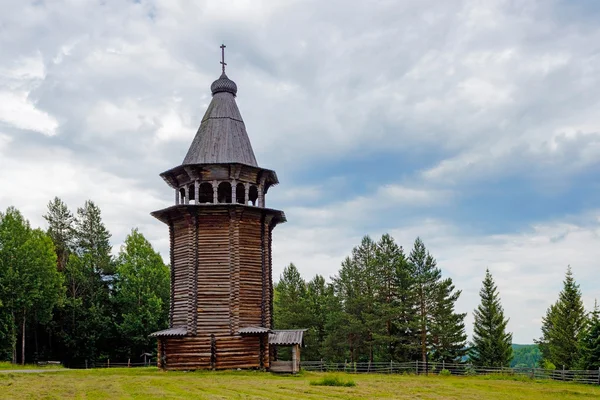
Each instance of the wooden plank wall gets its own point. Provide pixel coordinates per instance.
(180, 265)
(214, 278)
(250, 270)
(222, 281)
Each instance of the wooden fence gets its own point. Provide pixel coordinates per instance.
(419, 367)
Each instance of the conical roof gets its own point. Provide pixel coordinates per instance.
(222, 136)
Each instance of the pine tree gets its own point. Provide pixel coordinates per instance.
(590, 343)
(93, 239)
(448, 336)
(290, 302)
(61, 230)
(564, 326)
(395, 301)
(85, 325)
(318, 295)
(492, 345)
(427, 277)
(355, 285)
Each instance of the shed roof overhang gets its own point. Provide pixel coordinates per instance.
(287, 337)
(254, 330)
(177, 331)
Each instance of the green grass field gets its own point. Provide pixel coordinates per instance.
(150, 383)
(7, 365)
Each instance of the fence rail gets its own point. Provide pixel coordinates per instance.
(110, 364)
(419, 367)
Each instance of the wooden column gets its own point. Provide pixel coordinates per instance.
(215, 192)
(233, 191)
(294, 358)
(177, 196)
(247, 195)
(261, 196)
(196, 192)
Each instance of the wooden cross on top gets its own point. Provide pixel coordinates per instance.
(223, 63)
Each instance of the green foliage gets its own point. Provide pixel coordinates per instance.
(141, 295)
(61, 230)
(525, 356)
(547, 365)
(371, 310)
(84, 327)
(590, 342)
(447, 328)
(30, 285)
(564, 326)
(491, 343)
(445, 372)
(333, 381)
(439, 327)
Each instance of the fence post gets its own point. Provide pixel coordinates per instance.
(86, 364)
(321, 365)
(417, 368)
(108, 363)
(345, 364)
(598, 375)
(391, 366)
(563, 372)
(128, 362)
(443, 364)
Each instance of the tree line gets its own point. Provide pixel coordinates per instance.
(384, 304)
(64, 296)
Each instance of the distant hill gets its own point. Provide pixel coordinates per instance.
(525, 355)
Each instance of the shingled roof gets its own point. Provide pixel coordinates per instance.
(222, 136)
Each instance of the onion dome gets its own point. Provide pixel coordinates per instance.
(223, 84)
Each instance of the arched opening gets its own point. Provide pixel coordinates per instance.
(224, 192)
(252, 195)
(182, 196)
(205, 194)
(240, 193)
(192, 192)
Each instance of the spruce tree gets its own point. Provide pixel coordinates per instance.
(564, 326)
(61, 230)
(427, 277)
(395, 301)
(492, 345)
(447, 328)
(590, 343)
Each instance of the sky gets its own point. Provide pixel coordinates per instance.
(471, 124)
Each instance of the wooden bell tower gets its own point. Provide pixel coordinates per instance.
(221, 244)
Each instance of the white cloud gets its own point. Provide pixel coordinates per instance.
(528, 266)
(493, 89)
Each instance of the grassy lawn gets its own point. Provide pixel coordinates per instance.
(7, 365)
(149, 383)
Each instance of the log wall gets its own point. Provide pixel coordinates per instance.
(221, 281)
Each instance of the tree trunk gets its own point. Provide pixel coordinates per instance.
(23, 342)
(37, 347)
(14, 338)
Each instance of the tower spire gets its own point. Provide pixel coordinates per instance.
(223, 63)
